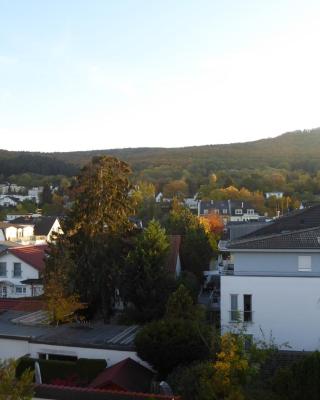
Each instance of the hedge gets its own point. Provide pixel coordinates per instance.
(84, 370)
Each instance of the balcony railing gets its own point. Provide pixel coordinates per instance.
(227, 269)
(240, 316)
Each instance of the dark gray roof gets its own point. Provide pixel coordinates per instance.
(42, 225)
(97, 335)
(230, 205)
(298, 219)
(301, 239)
(238, 230)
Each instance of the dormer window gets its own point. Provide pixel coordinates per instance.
(215, 211)
(238, 211)
(250, 211)
(225, 211)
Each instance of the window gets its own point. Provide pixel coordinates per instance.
(250, 211)
(17, 270)
(205, 211)
(3, 269)
(247, 308)
(304, 263)
(238, 211)
(234, 313)
(216, 211)
(225, 211)
(21, 290)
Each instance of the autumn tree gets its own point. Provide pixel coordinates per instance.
(96, 231)
(146, 282)
(212, 223)
(177, 188)
(12, 387)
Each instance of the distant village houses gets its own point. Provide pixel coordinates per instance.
(229, 210)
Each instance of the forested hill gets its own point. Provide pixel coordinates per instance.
(16, 163)
(288, 152)
(293, 150)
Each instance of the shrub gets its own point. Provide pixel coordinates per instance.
(82, 371)
(300, 381)
(194, 382)
(165, 344)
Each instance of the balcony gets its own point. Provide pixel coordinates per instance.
(30, 239)
(226, 269)
(210, 299)
(240, 316)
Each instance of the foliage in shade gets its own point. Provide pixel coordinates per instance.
(194, 382)
(146, 282)
(167, 343)
(180, 305)
(13, 387)
(300, 381)
(196, 247)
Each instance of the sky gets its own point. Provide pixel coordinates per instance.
(101, 74)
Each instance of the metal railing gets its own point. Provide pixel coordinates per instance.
(240, 316)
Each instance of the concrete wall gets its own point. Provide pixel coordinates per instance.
(286, 307)
(273, 263)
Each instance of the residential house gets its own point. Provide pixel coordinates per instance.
(21, 271)
(229, 210)
(8, 201)
(277, 195)
(10, 217)
(192, 202)
(35, 194)
(44, 226)
(271, 282)
(15, 232)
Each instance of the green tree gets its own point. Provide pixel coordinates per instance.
(196, 251)
(196, 247)
(180, 305)
(194, 382)
(13, 388)
(146, 280)
(167, 343)
(46, 196)
(96, 231)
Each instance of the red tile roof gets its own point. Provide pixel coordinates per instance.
(32, 255)
(127, 375)
(21, 305)
(67, 392)
(175, 242)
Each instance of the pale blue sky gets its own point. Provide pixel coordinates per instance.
(92, 74)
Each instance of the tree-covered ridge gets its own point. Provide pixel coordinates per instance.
(299, 149)
(288, 163)
(15, 163)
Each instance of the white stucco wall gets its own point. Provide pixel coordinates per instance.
(286, 307)
(11, 348)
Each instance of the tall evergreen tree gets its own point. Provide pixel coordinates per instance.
(95, 232)
(146, 281)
